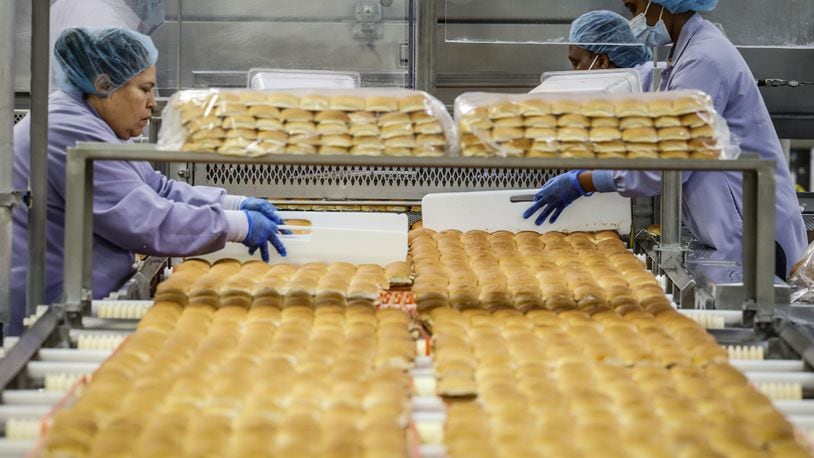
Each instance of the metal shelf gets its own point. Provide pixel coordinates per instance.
(759, 200)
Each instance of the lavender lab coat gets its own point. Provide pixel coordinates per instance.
(713, 201)
(136, 209)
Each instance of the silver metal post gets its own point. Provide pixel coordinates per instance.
(38, 170)
(78, 243)
(6, 151)
(758, 241)
(425, 46)
(671, 219)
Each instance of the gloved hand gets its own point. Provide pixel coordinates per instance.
(266, 208)
(555, 195)
(261, 231)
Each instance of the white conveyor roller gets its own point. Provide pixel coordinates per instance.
(16, 448)
(769, 365)
(804, 379)
(73, 356)
(39, 369)
(8, 412)
(805, 407)
(30, 397)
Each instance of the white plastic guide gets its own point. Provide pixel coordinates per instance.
(354, 237)
(494, 211)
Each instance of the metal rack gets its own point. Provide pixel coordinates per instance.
(759, 198)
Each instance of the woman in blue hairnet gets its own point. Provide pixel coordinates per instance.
(701, 58)
(106, 79)
(603, 40)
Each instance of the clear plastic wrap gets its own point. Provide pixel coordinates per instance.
(801, 279)
(668, 125)
(388, 122)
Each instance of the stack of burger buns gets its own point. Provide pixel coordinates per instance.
(671, 125)
(377, 122)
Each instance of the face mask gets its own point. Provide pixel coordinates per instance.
(651, 36)
(593, 63)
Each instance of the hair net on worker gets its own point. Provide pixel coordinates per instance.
(99, 61)
(600, 31)
(682, 6)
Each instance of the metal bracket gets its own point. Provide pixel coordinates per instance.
(11, 199)
(368, 21)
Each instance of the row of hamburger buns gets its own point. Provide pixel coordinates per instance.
(254, 123)
(530, 270)
(666, 125)
(198, 380)
(228, 282)
(533, 391)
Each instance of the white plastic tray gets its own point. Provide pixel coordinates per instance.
(494, 211)
(354, 237)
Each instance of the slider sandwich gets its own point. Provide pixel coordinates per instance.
(604, 122)
(632, 108)
(549, 121)
(674, 133)
(693, 120)
(598, 108)
(534, 107)
(347, 103)
(661, 107)
(635, 122)
(605, 134)
(688, 105)
(413, 104)
(574, 120)
(314, 102)
(503, 110)
(381, 104)
(268, 124)
(640, 135)
(572, 134)
(239, 122)
(341, 140)
(283, 100)
(667, 121)
(394, 119)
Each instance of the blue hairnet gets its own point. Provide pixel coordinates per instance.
(598, 30)
(110, 57)
(682, 6)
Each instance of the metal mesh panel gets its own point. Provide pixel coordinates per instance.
(347, 182)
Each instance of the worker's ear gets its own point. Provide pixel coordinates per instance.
(604, 62)
(103, 85)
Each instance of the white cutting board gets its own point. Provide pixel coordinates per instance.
(493, 211)
(354, 237)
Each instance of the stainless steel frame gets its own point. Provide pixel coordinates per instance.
(6, 152)
(758, 196)
(38, 153)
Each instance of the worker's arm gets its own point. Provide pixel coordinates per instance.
(131, 214)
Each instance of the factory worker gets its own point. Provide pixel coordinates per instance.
(140, 15)
(701, 58)
(603, 40)
(107, 78)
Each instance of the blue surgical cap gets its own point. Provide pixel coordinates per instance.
(110, 57)
(682, 6)
(598, 31)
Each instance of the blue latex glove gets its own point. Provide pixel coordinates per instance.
(555, 195)
(266, 208)
(261, 231)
